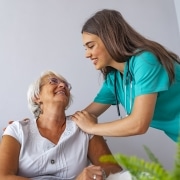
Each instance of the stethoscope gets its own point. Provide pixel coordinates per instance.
(127, 81)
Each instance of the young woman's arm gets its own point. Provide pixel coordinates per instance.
(136, 123)
(97, 108)
(9, 158)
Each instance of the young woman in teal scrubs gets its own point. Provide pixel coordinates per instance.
(138, 73)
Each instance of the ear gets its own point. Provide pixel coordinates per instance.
(37, 100)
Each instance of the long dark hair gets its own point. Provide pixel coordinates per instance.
(122, 41)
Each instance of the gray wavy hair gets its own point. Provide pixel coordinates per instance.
(34, 91)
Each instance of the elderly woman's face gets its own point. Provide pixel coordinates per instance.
(54, 90)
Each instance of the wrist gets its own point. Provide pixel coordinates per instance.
(103, 174)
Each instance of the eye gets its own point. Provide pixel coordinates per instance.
(54, 81)
(90, 46)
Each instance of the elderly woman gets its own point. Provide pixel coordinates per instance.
(51, 146)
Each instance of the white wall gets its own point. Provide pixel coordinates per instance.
(36, 35)
(177, 7)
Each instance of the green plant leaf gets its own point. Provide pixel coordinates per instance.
(176, 170)
(146, 170)
(138, 167)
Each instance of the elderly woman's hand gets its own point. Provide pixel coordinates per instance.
(91, 172)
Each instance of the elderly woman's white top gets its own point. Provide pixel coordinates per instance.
(40, 159)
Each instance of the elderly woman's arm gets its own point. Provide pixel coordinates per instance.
(97, 148)
(9, 158)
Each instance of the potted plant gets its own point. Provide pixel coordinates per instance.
(146, 170)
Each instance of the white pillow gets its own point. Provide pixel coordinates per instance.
(125, 175)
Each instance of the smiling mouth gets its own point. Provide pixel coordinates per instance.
(60, 92)
(94, 61)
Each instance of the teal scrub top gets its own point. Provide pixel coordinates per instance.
(143, 74)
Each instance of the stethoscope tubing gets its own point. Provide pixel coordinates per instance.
(127, 81)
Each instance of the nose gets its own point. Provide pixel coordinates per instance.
(62, 84)
(88, 54)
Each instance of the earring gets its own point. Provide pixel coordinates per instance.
(38, 111)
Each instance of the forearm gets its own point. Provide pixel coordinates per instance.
(96, 108)
(121, 127)
(13, 177)
(111, 169)
(135, 124)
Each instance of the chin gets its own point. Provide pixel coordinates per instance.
(98, 68)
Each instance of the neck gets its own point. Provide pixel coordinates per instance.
(51, 121)
(51, 130)
(118, 66)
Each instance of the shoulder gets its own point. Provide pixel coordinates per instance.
(21, 123)
(145, 57)
(16, 127)
(73, 129)
(71, 125)
(145, 62)
(21, 130)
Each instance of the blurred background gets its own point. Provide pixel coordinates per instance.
(39, 35)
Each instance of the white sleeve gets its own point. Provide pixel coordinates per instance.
(125, 175)
(14, 130)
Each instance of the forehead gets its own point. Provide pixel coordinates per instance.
(46, 77)
(88, 38)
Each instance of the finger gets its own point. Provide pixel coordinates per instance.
(26, 119)
(75, 117)
(96, 175)
(77, 113)
(84, 112)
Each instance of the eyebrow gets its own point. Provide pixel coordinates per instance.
(88, 43)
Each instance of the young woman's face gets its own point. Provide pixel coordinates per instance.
(96, 51)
